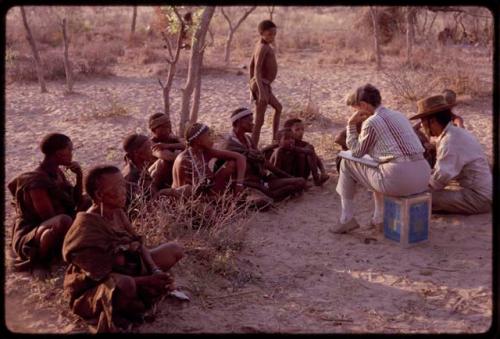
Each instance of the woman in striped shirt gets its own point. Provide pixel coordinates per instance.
(388, 137)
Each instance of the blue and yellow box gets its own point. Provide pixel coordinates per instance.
(407, 219)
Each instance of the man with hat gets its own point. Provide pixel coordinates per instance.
(388, 137)
(277, 185)
(430, 147)
(459, 156)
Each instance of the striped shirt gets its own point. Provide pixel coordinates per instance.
(385, 135)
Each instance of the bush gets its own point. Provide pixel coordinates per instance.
(411, 85)
(96, 59)
(21, 68)
(218, 224)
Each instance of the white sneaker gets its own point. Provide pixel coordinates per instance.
(346, 227)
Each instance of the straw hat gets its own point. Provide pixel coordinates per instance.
(431, 105)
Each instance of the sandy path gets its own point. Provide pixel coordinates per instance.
(294, 275)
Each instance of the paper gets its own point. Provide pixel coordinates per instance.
(179, 295)
(365, 159)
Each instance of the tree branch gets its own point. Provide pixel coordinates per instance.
(247, 13)
(227, 18)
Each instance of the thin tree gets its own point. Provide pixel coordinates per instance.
(134, 19)
(376, 37)
(232, 29)
(193, 114)
(409, 34)
(270, 9)
(67, 64)
(195, 62)
(34, 49)
(172, 59)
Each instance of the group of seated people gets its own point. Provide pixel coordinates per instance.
(112, 277)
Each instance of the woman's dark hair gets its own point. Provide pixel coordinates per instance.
(290, 122)
(369, 94)
(265, 25)
(443, 117)
(133, 142)
(54, 142)
(92, 180)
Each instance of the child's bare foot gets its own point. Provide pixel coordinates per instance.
(322, 179)
(41, 273)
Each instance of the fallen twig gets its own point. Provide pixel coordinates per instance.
(435, 268)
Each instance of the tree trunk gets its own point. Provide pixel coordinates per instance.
(198, 42)
(38, 64)
(378, 56)
(409, 35)
(134, 18)
(67, 64)
(197, 93)
(172, 67)
(229, 40)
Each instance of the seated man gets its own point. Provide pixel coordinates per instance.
(459, 156)
(46, 204)
(166, 146)
(307, 160)
(191, 167)
(387, 136)
(112, 277)
(430, 147)
(279, 184)
(145, 179)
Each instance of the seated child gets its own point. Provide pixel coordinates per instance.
(308, 161)
(166, 145)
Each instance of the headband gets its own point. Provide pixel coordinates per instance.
(241, 114)
(136, 143)
(161, 120)
(203, 128)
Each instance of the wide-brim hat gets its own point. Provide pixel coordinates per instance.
(431, 105)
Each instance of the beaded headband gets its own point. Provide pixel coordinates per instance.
(240, 115)
(203, 128)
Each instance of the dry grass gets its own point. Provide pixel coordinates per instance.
(411, 85)
(217, 224)
(114, 108)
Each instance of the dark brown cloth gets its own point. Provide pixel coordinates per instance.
(90, 247)
(255, 164)
(27, 219)
(138, 182)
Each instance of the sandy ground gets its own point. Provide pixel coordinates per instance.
(294, 276)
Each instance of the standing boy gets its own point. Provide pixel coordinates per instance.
(263, 70)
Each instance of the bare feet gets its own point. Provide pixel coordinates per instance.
(41, 273)
(322, 179)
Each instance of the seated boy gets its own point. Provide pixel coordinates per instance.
(283, 156)
(307, 160)
(166, 145)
